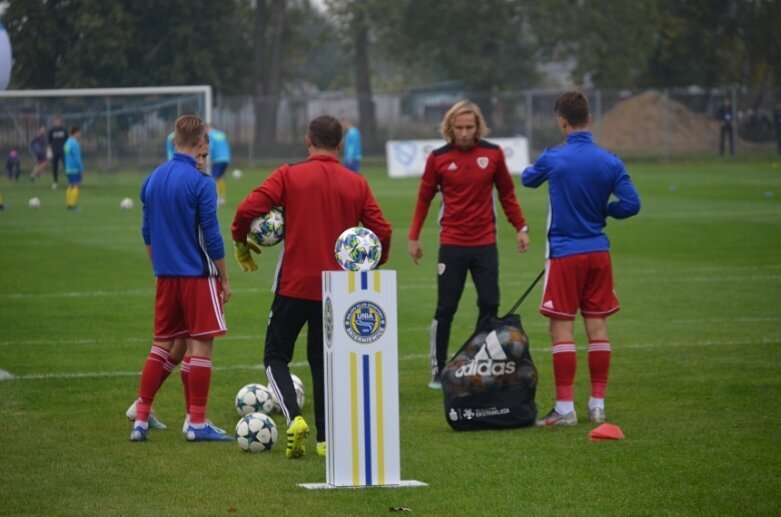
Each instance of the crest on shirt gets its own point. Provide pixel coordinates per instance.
(482, 162)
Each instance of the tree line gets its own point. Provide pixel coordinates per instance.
(265, 48)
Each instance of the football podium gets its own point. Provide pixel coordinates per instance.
(360, 344)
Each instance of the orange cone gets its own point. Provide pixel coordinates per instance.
(606, 432)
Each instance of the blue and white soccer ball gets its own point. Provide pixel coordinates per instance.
(358, 249)
(268, 229)
(256, 432)
(254, 398)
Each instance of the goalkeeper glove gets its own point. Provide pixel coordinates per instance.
(243, 257)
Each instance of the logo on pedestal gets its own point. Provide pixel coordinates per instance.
(364, 322)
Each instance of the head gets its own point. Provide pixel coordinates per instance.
(189, 131)
(324, 134)
(203, 153)
(463, 124)
(57, 121)
(726, 101)
(42, 130)
(76, 132)
(572, 113)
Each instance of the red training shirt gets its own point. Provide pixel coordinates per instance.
(321, 199)
(466, 179)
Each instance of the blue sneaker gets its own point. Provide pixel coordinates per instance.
(208, 433)
(138, 434)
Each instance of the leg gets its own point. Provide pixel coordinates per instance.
(314, 353)
(599, 353)
(485, 274)
(150, 384)
(450, 287)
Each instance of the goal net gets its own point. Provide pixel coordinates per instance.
(121, 128)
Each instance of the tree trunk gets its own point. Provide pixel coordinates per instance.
(270, 75)
(260, 27)
(363, 85)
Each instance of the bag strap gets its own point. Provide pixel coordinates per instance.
(524, 295)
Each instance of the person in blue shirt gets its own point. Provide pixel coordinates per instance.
(182, 236)
(220, 154)
(74, 168)
(582, 177)
(351, 150)
(169, 146)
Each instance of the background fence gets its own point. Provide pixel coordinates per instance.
(129, 132)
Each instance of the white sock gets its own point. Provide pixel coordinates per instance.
(565, 406)
(142, 425)
(596, 403)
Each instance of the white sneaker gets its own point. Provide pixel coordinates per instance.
(597, 415)
(154, 423)
(186, 423)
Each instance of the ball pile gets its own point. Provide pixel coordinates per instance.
(256, 432)
(254, 398)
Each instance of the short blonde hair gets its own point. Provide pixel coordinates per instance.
(189, 131)
(462, 108)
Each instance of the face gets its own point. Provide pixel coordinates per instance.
(203, 152)
(465, 130)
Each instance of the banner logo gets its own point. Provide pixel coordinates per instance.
(328, 322)
(364, 322)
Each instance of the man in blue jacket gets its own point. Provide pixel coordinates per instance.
(74, 168)
(581, 178)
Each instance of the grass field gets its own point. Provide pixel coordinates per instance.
(695, 383)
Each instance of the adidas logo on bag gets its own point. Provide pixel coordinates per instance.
(489, 360)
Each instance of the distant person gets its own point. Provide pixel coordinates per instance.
(58, 135)
(13, 166)
(220, 152)
(777, 124)
(180, 353)
(581, 178)
(465, 171)
(182, 236)
(38, 148)
(169, 147)
(74, 168)
(321, 199)
(725, 117)
(351, 150)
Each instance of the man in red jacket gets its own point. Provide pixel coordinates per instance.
(321, 199)
(465, 171)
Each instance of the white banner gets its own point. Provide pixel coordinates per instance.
(407, 158)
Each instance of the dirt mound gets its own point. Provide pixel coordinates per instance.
(638, 124)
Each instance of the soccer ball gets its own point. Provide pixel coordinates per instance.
(126, 204)
(34, 202)
(268, 229)
(254, 398)
(256, 432)
(236, 173)
(358, 249)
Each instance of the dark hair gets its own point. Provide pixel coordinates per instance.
(573, 107)
(325, 132)
(189, 131)
(75, 129)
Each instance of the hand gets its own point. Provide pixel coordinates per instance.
(523, 241)
(254, 246)
(415, 251)
(226, 291)
(243, 257)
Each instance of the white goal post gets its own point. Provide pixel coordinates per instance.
(121, 127)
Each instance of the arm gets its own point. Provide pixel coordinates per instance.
(428, 189)
(504, 184)
(258, 202)
(537, 173)
(206, 196)
(226, 287)
(628, 202)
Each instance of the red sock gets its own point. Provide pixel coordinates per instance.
(168, 368)
(150, 381)
(564, 366)
(598, 366)
(200, 377)
(184, 371)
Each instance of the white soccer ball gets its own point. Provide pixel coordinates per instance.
(358, 249)
(236, 173)
(256, 432)
(268, 229)
(126, 204)
(254, 398)
(34, 202)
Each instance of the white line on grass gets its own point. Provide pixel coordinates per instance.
(408, 357)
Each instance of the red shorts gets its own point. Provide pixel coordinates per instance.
(188, 307)
(583, 281)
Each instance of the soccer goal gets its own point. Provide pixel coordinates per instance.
(121, 127)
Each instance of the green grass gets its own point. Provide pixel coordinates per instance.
(695, 383)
